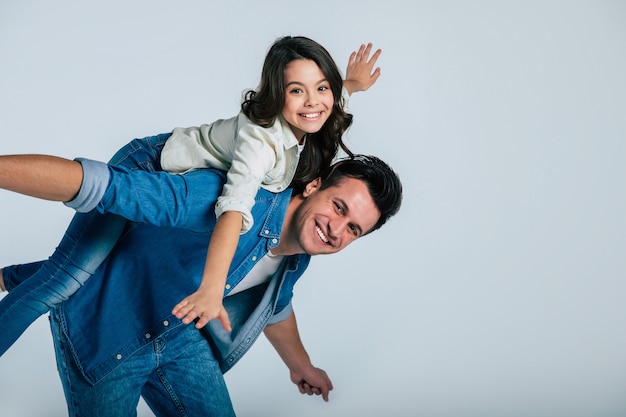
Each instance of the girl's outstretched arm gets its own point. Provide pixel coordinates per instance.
(206, 303)
(42, 176)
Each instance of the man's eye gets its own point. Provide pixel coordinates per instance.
(353, 230)
(338, 207)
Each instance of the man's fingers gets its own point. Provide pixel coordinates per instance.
(325, 395)
(306, 388)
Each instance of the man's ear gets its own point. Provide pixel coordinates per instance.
(312, 187)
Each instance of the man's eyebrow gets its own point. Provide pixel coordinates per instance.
(346, 210)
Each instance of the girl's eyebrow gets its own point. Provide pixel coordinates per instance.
(323, 80)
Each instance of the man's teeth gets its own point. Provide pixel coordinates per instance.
(321, 234)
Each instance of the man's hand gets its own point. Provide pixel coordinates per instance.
(285, 338)
(204, 307)
(359, 75)
(315, 382)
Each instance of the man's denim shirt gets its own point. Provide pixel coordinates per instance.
(128, 301)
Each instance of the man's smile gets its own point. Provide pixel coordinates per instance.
(321, 234)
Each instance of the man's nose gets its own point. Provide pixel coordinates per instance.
(338, 227)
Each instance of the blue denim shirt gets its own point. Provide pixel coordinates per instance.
(159, 260)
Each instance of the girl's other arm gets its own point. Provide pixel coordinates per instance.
(359, 75)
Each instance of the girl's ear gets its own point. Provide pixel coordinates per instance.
(312, 187)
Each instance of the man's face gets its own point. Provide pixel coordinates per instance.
(329, 220)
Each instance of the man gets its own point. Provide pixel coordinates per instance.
(116, 339)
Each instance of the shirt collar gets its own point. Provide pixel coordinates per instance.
(273, 224)
(289, 138)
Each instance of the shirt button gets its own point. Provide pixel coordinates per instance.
(274, 240)
(118, 356)
(166, 323)
(227, 286)
(148, 335)
(254, 258)
(267, 232)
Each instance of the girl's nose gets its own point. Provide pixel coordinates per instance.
(311, 100)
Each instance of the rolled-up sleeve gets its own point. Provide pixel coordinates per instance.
(95, 181)
(281, 315)
(156, 198)
(164, 199)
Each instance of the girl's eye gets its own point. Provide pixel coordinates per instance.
(296, 91)
(323, 88)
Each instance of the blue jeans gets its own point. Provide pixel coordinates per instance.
(176, 374)
(86, 243)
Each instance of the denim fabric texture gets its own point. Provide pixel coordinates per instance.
(125, 307)
(152, 372)
(86, 243)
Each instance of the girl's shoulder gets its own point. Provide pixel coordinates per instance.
(245, 124)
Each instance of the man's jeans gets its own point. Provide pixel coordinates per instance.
(176, 374)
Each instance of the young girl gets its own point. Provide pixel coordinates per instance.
(288, 130)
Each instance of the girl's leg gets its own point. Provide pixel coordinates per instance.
(86, 243)
(14, 275)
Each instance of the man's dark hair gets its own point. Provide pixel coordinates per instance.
(382, 182)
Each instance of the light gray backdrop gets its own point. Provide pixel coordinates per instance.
(497, 291)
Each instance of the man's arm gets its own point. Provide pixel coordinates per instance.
(286, 340)
(156, 198)
(41, 176)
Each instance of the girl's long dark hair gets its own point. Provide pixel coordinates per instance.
(265, 104)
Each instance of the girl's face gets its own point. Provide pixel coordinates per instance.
(308, 97)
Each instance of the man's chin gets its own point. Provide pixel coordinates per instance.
(321, 251)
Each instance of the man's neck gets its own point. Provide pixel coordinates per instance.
(288, 240)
